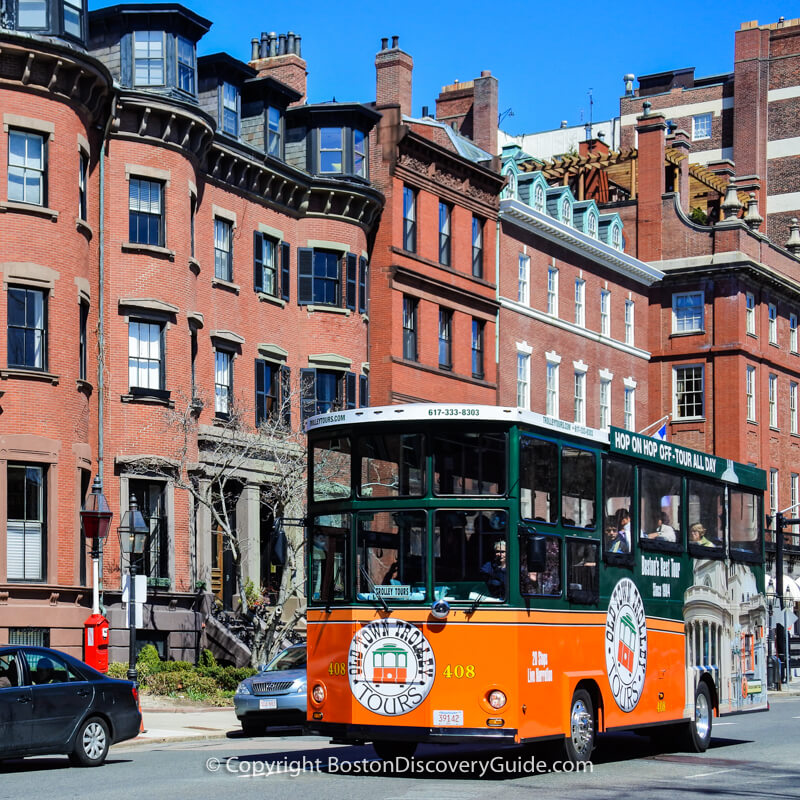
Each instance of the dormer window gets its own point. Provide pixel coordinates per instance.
(538, 197)
(230, 109)
(73, 12)
(32, 14)
(274, 132)
(592, 226)
(148, 57)
(615, 237)
(359, 154)
(331, 143)
(186, 65)
(566, 211)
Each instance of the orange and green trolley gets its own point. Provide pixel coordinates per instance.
(487, 574)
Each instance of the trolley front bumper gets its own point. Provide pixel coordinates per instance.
(343, 733)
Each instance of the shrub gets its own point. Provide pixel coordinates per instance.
(117, 670)
(148, 661)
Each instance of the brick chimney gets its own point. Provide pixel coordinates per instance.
(393, 71)
(650, 128)
(471, 108)
(279, 57)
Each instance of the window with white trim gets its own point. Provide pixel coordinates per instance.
(552, 291)
(223, 249)
(551, 390)
(773, 492)
(360, 153)
(148, 58)
(772, 311)
(629, 409)
(25, 531)
(793, 333)
(580, 302)
(687, 312)
(523, 380)
(591, 225)
(26, 167)
(523, 279)
(793, 427)
(773, 400)
(605, 312)
(223, 381)
(616, 237)
(274, 132)
(701, 126)
(409, 219)
(629, 308)
(579, 398)
(145, 212)
(230, 108)
(605, 404)
(750, 392)
(145, 355)
(688, 392)
(566, 211)
(27, 328)
(83, 174)
(538, 197)
(186, 64)
(31, 14)
(794, 485)
(750, 313)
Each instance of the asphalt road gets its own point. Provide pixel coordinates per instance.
(751, 756)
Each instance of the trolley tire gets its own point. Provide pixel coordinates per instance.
(388, 751)
(577, 746)
(697, 732)
(91, 743)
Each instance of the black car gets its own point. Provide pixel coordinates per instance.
(52, 703)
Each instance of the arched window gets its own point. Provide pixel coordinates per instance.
(592, 226)
(616, 237)
(538, 197)
(566, 211)
(510, 190)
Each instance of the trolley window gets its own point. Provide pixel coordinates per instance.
(538, 479)
(392, 465)
(329, 537)
(391, 555)
(469, 555)
(578, 487)
(470, 463)
(617, 505)
(660, 509)
(540, 564)
(744, 527)
(705, 506)
(332, 459)
(582, 571)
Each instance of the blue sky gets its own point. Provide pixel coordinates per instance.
(546, 56)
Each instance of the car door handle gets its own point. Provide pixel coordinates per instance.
(84, 693)
(24, 699)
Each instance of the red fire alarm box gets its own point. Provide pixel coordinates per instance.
(95, 642)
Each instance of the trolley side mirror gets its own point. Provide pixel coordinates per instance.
(535, 550)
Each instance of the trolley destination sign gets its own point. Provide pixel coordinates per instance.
(673, 455)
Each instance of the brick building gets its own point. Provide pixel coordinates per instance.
(433, 307)
(747, 117)
(176, 232)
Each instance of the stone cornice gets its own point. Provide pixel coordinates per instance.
(517, 213)
(46, 67)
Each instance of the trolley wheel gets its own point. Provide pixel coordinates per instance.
(578, 744)
(697, 732)
(387, 751)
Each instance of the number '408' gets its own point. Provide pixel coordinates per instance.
(459, 671)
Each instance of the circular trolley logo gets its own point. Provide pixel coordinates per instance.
(391, 667)
(626, 644)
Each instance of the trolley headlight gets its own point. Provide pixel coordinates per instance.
(496, 698)
(318, 693)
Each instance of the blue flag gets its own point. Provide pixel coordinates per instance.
(661, 433)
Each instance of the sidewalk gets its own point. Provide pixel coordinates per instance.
(166, 720)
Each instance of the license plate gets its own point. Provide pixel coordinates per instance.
(443, 719)
(267, 705)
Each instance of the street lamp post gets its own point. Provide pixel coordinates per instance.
(96, 520)
(133, 535)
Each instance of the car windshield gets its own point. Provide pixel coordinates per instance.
(293, 658)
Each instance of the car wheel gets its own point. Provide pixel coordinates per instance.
(388, 751)
(579, 743)
(91, 743)
(697, 732)
(250, 728)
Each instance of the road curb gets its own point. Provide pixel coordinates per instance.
(139, 741)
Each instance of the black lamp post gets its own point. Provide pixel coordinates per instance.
(133, 534)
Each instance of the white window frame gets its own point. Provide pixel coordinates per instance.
(677, 371)
(629, 405)
(232, 108)
(223, 381)
(145, 355)
(605, 312)
(31, 169)
(793, 333)
(629, 321)
(580, 302)
(750, 392)
(552, 378)
(773, 400)
(223, 249)
(538, 198)
(794, 488)
(772, 312)
(552, 291)
(579, 394)
(702, 126)
(793, 426)
(605, 402)
(523, 380)
(566, 211)
(773, 492)
(152, 76)
(750, 313)
(523, 279)
(688, 312)
(28, 536)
